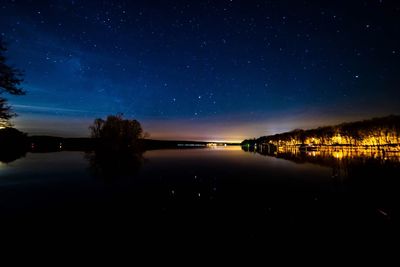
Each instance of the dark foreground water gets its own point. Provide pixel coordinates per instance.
(212, 195)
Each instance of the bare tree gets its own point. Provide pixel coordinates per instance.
(10, 80)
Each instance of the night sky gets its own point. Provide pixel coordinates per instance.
(210, 70)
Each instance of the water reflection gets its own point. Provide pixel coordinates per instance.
(365, 175)
(202, 193)
(108, 165)
(336, 157)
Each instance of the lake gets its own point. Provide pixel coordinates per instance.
(217, 193)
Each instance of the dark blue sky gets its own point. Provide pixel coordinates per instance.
(210, 70)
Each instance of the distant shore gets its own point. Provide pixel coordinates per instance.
(51, 143)
(376, 132)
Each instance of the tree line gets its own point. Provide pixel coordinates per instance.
(372, 132)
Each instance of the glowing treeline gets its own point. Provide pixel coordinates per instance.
(374, 132)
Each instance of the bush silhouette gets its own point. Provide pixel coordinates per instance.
(117, 134)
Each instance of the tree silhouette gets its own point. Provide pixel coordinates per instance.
(116, 133)
(13, 144)
(10, 79)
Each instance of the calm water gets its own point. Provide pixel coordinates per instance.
(207, 194)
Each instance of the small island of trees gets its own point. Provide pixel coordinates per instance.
(117, 134)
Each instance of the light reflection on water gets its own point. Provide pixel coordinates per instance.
(213, 161)
(347, 152)
(325, 155)
(218, 189)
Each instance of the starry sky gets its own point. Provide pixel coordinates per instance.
(202, 70)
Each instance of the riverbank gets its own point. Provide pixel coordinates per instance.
(376, 132)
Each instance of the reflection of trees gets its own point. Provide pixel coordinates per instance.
(110, 165)
(344, 162)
